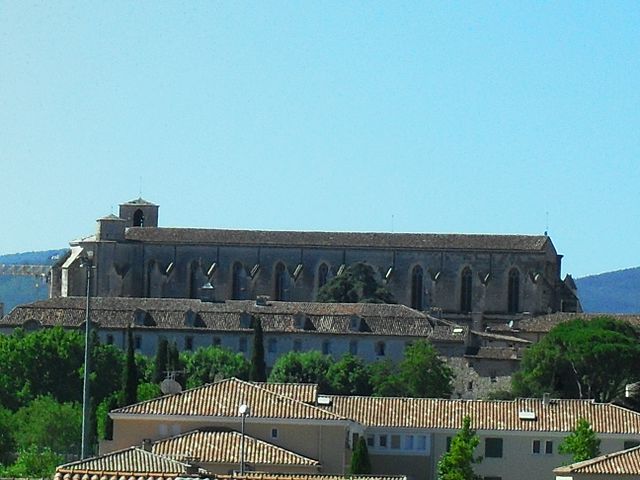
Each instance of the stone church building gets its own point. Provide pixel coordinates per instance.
(452, 274)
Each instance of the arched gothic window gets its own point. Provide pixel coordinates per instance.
(417, 288)
(236, 282)
(280, 282)
(323, 271)
(466, 285)
(138, 218)
(193, 280)
(513, 301)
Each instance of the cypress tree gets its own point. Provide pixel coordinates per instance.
(360, 463)
(258, 372)
(130, 381)
(161, 361)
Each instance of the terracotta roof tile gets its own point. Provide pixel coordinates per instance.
(625, 462)
(132, 461)
(432, 413)
(119, 312)
(223, 446)
(221, 399)
(412, 241)
(308, 476)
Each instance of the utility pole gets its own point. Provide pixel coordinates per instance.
(87, 263)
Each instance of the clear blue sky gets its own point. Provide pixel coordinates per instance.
(472, 117)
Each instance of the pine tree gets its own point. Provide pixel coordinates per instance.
(130, 380)
(457, 463)
(161, 360)
(360, 463)
(258, 372)
(582, 444)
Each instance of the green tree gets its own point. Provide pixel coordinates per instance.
(457, 463)
(205, 364)
(46, 423)
(581, 359)
(130, 380)
(258, 372)
(44, 362)
(349, 376)
(161, 360)
(7, 441)
(385, 379)
(360, 462)
(582, 444)
(106, 376)
(302, 367)
(423, 373)
(33, 462)
(356, 284)
(104, 427)
(147, 391)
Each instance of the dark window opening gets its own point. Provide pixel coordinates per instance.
(188, 343)
(138, 218)
(380, 349)
(493, 447)
(236, 282)
(193, 280)
(280, 282)
(417, 288)
(466, 290)
(109, 339)
(323, 272)
(514, 292)
(137, 342)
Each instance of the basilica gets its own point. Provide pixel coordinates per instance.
(451, 275)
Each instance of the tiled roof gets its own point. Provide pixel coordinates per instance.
(432, 413)
(223, 446)
(308, 476)
(503, 338)
(132, 461)
(449, 333)
(625, 462)
(411, 241)
(495, 353)
(330, 318)
(222, 399)
(139, 201)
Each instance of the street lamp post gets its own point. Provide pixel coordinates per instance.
(244, 411)
(87, 263)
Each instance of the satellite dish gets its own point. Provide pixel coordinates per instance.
(170, 387)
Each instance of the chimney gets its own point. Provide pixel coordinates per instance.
(146, 444)
(546, 399)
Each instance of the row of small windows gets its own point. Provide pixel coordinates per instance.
(272, 345)
(407, 442)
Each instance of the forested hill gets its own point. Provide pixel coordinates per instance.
(611, 292)
(17, 289)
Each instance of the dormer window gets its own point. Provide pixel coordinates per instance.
(300, 321)
(355, 323)
(245, 320)
(142, 318)
(193, 319)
